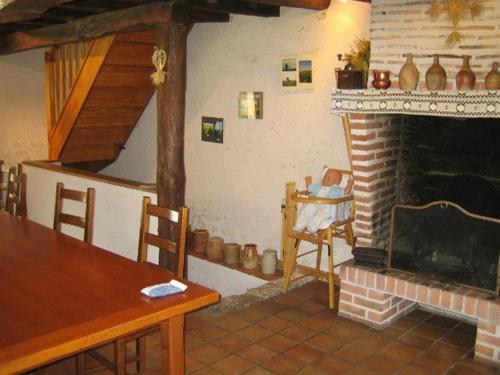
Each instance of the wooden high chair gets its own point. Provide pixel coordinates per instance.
(291, 240)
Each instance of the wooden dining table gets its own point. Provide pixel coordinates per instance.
(60, 296)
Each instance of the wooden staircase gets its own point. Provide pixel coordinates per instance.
(95, 93)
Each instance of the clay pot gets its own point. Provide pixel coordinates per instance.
(215, 248)
(249, 256)
(199, 239)
(408, 75)
(492, 81)
(435, 77)
(232, 253)
(269, 260)
(381, 80)
(465, 78)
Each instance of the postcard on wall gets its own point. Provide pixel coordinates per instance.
(297, 72)
(250, 105)
(212, 129)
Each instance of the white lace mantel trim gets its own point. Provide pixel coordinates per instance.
(474, 103)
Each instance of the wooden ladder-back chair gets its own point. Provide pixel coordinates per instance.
(86, 222)
(340, 228)
(176, 246)
(4, 175)
(15, 196)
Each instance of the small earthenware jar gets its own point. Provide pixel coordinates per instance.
(232, 253)
(215, 248)
(269, 259)
(199, 239)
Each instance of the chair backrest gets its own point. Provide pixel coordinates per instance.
(176, 246)
(14, 195)
(86, 222)
(4, 173)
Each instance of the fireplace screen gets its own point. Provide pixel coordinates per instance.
(443, 240)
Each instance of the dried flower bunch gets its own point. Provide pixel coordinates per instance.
(455, 11)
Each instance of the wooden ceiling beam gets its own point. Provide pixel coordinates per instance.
(200, 16)
(21, 10)
(304, 4)
(236, 7)
(130, 19)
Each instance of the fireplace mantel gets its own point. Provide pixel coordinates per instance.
(473, 104)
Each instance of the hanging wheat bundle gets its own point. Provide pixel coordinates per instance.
(455, 11)
(159, 60)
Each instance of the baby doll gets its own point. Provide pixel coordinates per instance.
(314, 216)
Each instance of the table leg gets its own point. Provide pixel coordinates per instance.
(172, 342)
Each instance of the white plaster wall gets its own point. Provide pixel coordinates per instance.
(117, 209)
(23, 131)
(116, 224)
(235, 189)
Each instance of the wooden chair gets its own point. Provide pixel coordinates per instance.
(4, 174)
(15, 194)
(177, 247)
(291, 240)
(86, 222)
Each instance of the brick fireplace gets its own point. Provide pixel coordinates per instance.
(377, 119)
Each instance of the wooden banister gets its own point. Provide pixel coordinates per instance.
(70, 86)
(62, 67)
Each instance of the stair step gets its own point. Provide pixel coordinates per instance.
(98, 135)
(130, 54)
(123, 96)
(109, 116)
(79, 153)
(124, 76)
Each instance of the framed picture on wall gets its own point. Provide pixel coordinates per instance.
(212, 129)
(297, 72)
(250, 105)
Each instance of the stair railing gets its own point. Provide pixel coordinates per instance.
(62, 66)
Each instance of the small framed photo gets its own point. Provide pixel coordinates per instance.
(297, 72)
(212, 129)
(250, 105)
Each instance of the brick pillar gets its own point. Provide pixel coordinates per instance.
(487, 348)
(375, 152)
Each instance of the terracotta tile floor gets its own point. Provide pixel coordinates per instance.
(296, 334)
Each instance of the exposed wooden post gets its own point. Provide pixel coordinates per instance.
(171, 102)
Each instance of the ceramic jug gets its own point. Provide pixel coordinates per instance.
(408, 75)
(492, 81)
(435, 77)
(465, 78)
(249, 257)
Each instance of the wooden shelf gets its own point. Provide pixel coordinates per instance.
(238, 267)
